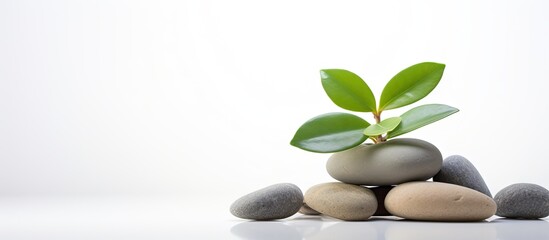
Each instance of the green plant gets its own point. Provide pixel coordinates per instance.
(333, 132)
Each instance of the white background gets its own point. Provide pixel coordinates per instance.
(200, 99)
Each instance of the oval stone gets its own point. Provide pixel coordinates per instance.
(460, 171)
(523, 200)
(389, 163)
(343, 201)
(273, 202)
(306, 210)
(434, 201)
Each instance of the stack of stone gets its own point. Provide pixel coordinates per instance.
(392, 181)
(377, 180)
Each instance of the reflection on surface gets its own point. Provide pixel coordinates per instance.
(397, 230)
(521, 229)
(345, 231)
(306, 225)
(391, 228)
(265, 230)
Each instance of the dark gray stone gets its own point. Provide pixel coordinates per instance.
(460, 171)
(523, 200)
(274, 202)
(381, 192)
(389, 163)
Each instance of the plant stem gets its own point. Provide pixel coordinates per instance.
(380, 138)
(377, 117)
(383, 138)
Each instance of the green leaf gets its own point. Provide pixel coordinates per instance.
(330, 132)
(410, 85)
(420, 116)
(348, 90)
(382, 127)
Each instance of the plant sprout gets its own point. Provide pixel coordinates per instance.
(333, 132)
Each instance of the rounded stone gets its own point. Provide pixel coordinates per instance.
(389, 163)
(306, 210)
(460, 171)
(434, 201)
(273, 202)
(523, 200)
(381, 193)
(343, 201)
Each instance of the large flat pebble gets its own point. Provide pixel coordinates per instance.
(434, 201)
(393, 162)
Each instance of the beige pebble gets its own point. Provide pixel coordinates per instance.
(342, 201)
(305, 209)
(434, 201)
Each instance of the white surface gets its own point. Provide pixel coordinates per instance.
(169, 218)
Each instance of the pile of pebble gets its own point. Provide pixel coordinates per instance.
(392, 181)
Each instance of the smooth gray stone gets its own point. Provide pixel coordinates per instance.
(523, 200)
(390, 163)
(460, 171)
(273, 202)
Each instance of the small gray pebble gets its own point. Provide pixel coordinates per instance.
(273, 202)
(460, 171)
(523, 200)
